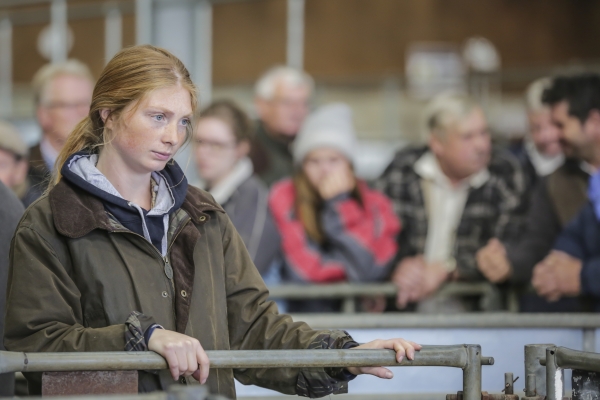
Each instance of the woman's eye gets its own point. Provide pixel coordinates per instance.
(185, 122)
(159, 117)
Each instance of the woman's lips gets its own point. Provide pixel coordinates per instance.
(162, 156)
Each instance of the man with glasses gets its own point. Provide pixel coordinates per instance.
(282, 97)
(63, 93)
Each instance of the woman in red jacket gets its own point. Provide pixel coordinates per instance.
(334, 228)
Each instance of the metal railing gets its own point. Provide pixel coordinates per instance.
(559, 358)
(488, 294)
(466, 357)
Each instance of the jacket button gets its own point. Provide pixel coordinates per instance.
(165, 294)
(202, 218)
(183, 293)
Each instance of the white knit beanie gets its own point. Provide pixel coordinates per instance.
(330, 126)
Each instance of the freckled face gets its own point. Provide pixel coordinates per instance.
(148, 135)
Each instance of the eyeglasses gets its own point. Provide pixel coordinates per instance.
(213, 145)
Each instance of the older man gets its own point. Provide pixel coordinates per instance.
(557, 198)
(452, 197)
(282, 102)
(63, 93)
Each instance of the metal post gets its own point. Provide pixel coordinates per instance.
(203, 50)
(295, 33)
(5, 67)
(589, 339)
(143, 21)
(533, 354)
(554, 376)
(113, 32)
(509, 383)
(58, 28)
(472, 373)
(349, 305)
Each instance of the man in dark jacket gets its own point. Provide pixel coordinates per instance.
(282, 102)
(63, 93)
(451, 197)
(570, 269)
(10, 214)
(555, 201)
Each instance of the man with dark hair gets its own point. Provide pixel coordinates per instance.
(575, 108)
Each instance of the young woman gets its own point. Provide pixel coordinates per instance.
(222, 143)
(121, 254)
(333, 227)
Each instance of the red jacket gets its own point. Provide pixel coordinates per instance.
(361, 239)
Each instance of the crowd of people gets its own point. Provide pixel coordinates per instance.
(523, 217)
(278, 201)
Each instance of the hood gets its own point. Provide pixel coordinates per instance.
(171, 188)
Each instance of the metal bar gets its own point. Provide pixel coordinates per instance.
(143, 21)
(295, 33)
(573, 359)
(341, 290)
(472, 373)
(203, 50)
(58, 27)
(113, 32)
(6, 60)
(462, 320)
(443, 356)
(554, 376)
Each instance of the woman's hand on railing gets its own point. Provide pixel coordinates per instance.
(184, 354)
(401, 346)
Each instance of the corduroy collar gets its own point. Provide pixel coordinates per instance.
(77, 212)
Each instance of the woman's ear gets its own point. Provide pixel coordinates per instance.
(106, 117)
(243, 148)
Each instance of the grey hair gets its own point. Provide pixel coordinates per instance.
(266, 85)
(50, 71)
(446, 109)
(533, 94)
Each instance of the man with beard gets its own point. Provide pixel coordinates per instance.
(574, 103)
(452, 197)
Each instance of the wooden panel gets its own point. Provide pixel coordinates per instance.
(358, 37)
(249, 37)
(88, 46)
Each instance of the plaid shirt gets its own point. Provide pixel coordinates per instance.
(492, 210)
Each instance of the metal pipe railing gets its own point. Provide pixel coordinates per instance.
(349, 291)
(466, 357)
(559, 358)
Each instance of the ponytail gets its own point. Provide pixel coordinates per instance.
(82, 138)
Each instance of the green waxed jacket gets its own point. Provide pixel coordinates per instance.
(76, 275)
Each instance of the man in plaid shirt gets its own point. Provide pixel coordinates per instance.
(452, 197)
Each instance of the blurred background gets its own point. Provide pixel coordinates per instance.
(382, 57)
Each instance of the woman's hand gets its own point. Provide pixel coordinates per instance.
(402, 348)
(340, 180)
(184, 354)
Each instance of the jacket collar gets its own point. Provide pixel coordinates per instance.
(77, 212)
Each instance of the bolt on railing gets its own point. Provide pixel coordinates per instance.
(466, 357)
